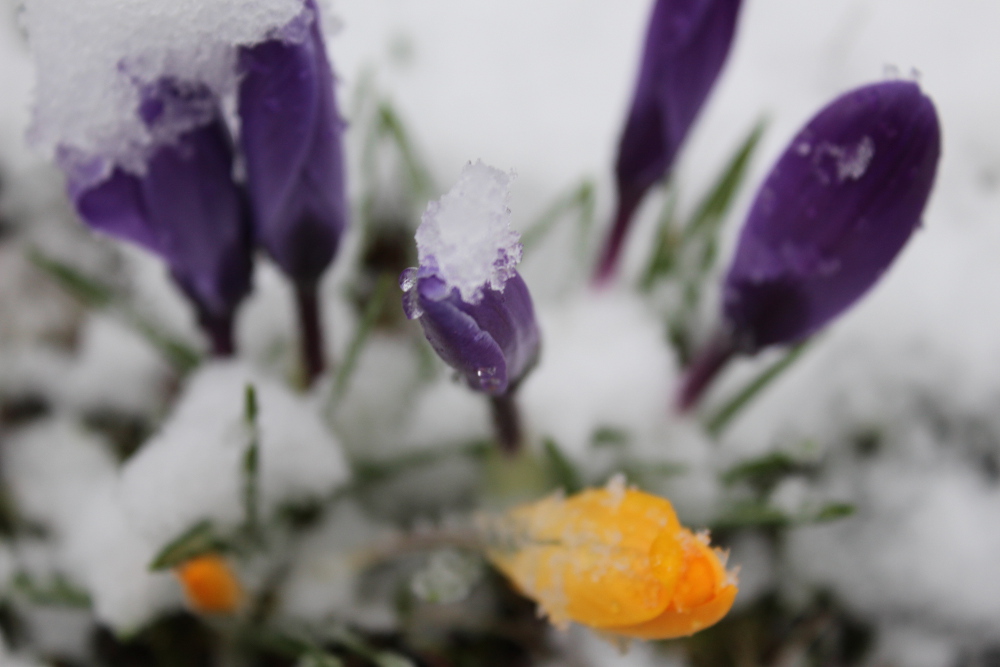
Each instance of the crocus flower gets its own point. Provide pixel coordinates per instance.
(828, 221)
(492, 343)
(473, 305)
(687, 42)
(615, 559)
(290, 133)
(185, 207)
(210, 584)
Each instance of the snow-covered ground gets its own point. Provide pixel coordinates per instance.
(896, 403)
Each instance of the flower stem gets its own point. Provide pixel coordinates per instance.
(219, 330)
(310, 332)
(607, 265)
(506, 423)
(706, 366)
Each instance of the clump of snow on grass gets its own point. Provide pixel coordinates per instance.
(465, 237)
(324, 579)
(605, 365)
(111, 559)
(93, 56)
(65, 479)
(922, 545)
(192, 469)
(52, 469)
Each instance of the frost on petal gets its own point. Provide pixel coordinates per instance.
(615, 559)
(465, 237)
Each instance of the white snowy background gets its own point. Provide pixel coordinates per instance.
(541, 88)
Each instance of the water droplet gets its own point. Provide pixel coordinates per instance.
(488, 379)
(411, 304)
(408, 279)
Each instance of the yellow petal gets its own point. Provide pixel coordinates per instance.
(703, 595)
(588, 557)
(210, 585)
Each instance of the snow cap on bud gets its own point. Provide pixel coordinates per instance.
(184, 207)
(290, 133)
(473, 305)
(833, 214)
(687, 42)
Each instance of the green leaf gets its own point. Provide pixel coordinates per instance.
(392, 126)
(609, 436)
(59, 592)
(251, 473)
(365, 327)
(88, 291)
(833, 511)
(581, 199)
(689, 255)
(94, 294)
(564, 474)
(369, 472)
(197, 540)
(664, 259)
(319, 659)
(764, 472)
(712, 209)
(758, 514)
(719, 419)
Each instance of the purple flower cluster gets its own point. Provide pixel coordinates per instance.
(186, 206)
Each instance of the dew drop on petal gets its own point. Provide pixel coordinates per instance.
(408, 279)
(488, 379)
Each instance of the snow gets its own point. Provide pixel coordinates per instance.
(465, 237)
(603, 364)
(192, 469)
(52, 469)
(110, 558)
(93, 57)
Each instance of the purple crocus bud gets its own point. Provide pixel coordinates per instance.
(687, 42)
(493, 343)
(290, 134)
(185, 207)
(828, 221)
(473, 305)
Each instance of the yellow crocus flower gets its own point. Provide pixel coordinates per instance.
(210, 585)
(615, 559)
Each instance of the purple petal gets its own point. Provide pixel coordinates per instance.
(199, 216)
(832, 215)
(116, 207)
(187, 209)
(290, 134)
(493, 343)
(686, 45)
(687, 42)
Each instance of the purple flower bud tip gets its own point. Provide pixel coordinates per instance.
(832, 215)
(474, 307)
(687, 42)
(290, 133)
(185, 207)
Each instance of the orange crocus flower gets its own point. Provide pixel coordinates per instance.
(210, 585)
(615, 559)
